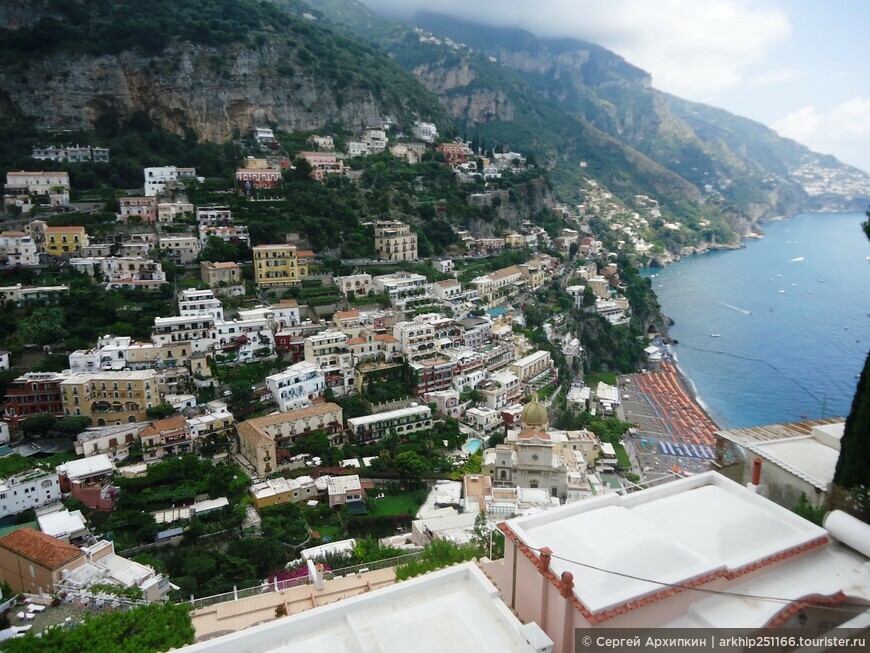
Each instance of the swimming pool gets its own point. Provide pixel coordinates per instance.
(472, 445)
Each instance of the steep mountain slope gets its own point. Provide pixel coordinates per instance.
(718, 152)
(213, 67)
(495, 103)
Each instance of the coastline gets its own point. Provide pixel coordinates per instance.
(674, 432)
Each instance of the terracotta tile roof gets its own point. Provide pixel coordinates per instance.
(356, 341)
(168, 424)
(386, 337)
(64, 229)
(225, 265)
(286, 303)
(40, 548)
(528, 434)
(304, 253)
(289, 416)
(505, 272)
(341, 315)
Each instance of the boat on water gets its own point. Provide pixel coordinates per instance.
(715, 335)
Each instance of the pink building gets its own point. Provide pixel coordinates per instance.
(634, 561)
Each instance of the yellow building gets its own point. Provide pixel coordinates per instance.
(111, 397)
(514, 240)
(278, 265)
(61, 241)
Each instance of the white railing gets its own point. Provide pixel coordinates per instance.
(280, 585)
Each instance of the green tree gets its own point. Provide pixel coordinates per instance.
(410, 466)
(805, 510)
(853, 465)
(160, 411)
(150, 628)
(41, 424)
(42, 327)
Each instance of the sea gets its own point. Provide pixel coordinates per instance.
(777, 331)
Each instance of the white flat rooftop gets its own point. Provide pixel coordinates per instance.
(61, 523)
(86, 467)
(671, 533)
(809, 450)
(824, 573)
(454, 610)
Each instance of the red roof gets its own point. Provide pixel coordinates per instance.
(42, 549)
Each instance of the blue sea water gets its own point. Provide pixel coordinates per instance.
(792, 311)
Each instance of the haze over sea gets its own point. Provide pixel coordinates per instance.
(792, 311)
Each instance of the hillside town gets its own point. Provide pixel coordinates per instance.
(293, 433)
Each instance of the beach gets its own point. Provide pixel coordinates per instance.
(673, 434)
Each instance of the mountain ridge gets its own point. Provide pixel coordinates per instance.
(617, 97)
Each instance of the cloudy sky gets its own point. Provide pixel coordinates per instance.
(799, 66)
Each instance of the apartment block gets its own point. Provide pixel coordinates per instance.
(31, 394)
(181, 250)
(299, 386)
(261, 439)
(111, 397)
(64, 241)
(394, 241)
(359, 284)
(330, 352)
(17, 248)
(256, 175)
(192, 302)
(323, 164)
(31, 489)
(143, 209)
(278, 265)
(403, 421)
(220, 274)
(166, 437)
(22, 186)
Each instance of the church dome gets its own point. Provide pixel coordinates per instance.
(535, 415)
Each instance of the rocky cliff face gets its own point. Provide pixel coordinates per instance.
(214, 92)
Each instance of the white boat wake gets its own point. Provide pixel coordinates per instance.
(735, 308)
(796, 260)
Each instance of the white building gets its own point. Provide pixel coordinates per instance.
(360, 284)
(402, 421)
(244, 340)
(402, 285)
(159, 179)
(358, 148)
(132, 272)
(198, 331)
(104, 566)
(330, 352)
(447, 290)
(297, 387)
(396, 619)
(54, 185)
(28, 490)
(194, 302)
(113, 441)
(63, 524)
(416, 339)
(17, 248)
(344, 489)
(425, 131)
(215, 417)
(799, 458)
